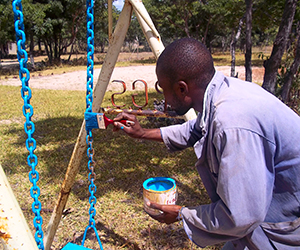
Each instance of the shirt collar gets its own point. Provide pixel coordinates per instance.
(210, 89)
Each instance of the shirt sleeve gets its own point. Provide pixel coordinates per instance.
(245, 175)
(179, 137)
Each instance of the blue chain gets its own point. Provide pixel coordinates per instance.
(89, 103)
(28, 125)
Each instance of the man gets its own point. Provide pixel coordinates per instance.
(248, 147)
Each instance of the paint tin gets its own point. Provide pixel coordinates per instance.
(161, 190)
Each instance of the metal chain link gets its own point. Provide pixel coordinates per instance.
(29, 127)
(89, 103)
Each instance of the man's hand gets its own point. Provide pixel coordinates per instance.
(136, 131)
(169, 212)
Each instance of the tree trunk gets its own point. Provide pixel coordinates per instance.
(234, 39)
(46, 49)
(31, 49)
(248, 53)
(288, 79)
(272, 64)
(40, 46)
(232, 52)
(4, 50)
(71, 52)
(206, 31)
(56, 48)
(1, 54)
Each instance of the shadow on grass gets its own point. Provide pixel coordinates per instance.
(122, 163)
(55, 139)
(108, 236)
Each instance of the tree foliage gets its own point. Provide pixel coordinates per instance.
(54, 25)
(59, 26)
(6, 26)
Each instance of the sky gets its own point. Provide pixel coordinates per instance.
(119, 4)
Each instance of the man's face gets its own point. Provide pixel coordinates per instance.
(171, 97)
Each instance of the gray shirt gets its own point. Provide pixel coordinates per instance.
(248, 147)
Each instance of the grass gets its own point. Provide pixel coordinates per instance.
(224, 59)
(122, 164)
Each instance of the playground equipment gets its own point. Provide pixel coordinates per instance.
(115, 45)
(94, 99)
(15, 233)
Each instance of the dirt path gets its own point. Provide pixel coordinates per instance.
(77, 80)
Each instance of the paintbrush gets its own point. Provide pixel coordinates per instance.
(99, 120)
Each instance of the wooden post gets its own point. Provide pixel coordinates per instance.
(14, 230)
(148, 28)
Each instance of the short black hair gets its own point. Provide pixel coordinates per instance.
(187, 59)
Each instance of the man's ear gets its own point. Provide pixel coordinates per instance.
(181, 88)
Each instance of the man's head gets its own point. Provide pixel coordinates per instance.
(183, 70)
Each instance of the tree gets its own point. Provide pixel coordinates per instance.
(208, 21)
(272, 64)
(101, 23)
(234, 40)
(6, 26)
(65, 23)
(135, 35)
(291, 72)
(174, 19)
(33, 17)
(248, 53)
(61, 24)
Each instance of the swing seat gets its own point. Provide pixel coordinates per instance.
(71, 246)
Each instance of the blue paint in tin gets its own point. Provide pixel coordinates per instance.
(159, 184)
(71, 246)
